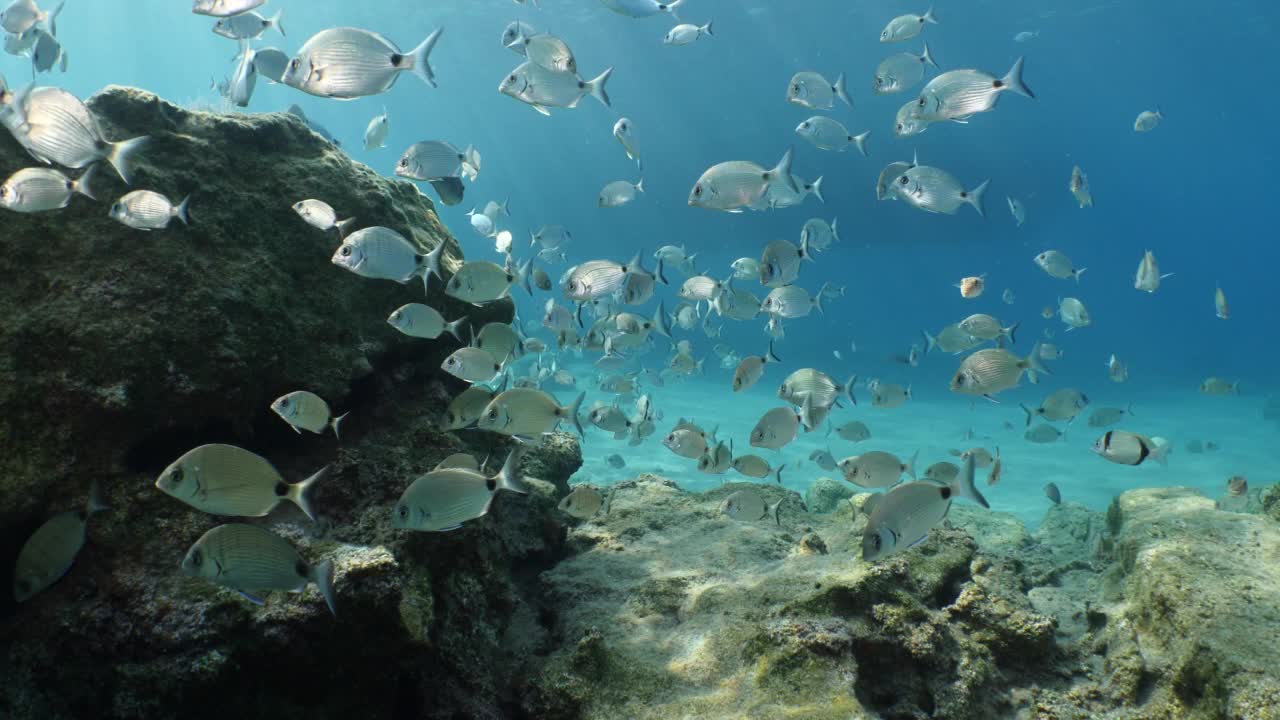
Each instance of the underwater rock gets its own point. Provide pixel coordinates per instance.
(1194, 636)
(673, 609)
(1269, 499)
(124, 349)
(825, 495)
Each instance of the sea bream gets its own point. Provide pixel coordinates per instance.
(433, 160)
(1064, 404)
(825, 133)
(442, 500)
(1058, 265)
(987, 372)
(248, 25)
(1127, 448)
(382, 253)
(41, 189)
(751, 368)
(642, 8)
(307, 411)
(546, 50)
(901, 71)
(1073, 313)
(346, 63)
(57, 128)
(527, 414)
(1148, 277)
(958, 95)
(937, 191)
(541, 88)
(51, 550)
(809, 89)
(228, 480)
(624, 131)
(816, 234)
(23, 15)
(903, 517)
(321, 216)
(147, 210)
(905, 27)
(1079, 187)
(733, 185)
(250, 559)
(423, 321)
(224, 8)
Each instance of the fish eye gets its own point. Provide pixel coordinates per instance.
(903, 180)
(345, 251)
(403, 512)
(176, 475)
(493, 414)
(284, 402)
(295, 63)
(697, 190)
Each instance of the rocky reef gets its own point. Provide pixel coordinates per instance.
(123, 349)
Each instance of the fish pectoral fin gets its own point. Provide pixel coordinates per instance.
(922, 539)
(252, 598)
(540, 109)
(991, 398)
(295, 429)
(451, 528)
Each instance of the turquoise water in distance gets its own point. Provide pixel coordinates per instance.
(1197, 191)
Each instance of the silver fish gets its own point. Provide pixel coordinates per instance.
(583, 502)
(432, 160)
(936, 190)
(320, 215)
(480, 281)
(751, 368)
(248, 25)
(958, 95)
(225, 8)
(1148, 277)
(854, 431)
(227, 480)
(22, 15)
(619, 193)
(877, 469)
(147, 210)
(776, 428)
(1147, 120)
(541, 89)
(902, 71)
(816, 234)
(465, 409)
(250, 559)
(905, 27)
(903, 517)
(686, 33)
(1064, 404)
(780, 262)
(423, 321)
(443, 500)
(1044, 433)
(823, 388)
(642, 8)
(307, 411)
(1016, 209)
(347, 63)
(40, 189)
(55, 127)
(987, 372)
(1073, 313)
(811, 90)
(791, 301)
(382, 253)
(887, 184)
(472, 365)
(748, 506)
(50, 551)
(1058, 265)
(1127, 448)
(375, 134)
(1079, 187)
(624, 131)
(547, 51)
(516, 29)
(828, 134)
(528, 414)
(1102, 417)
(733, 185)
(271, 63)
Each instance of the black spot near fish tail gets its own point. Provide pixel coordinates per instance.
(997, 84)
(302, 569)
(281, 489)
(945, 492)
(491, 484)
(396, 59)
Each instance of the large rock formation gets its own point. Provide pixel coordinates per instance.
(123, 349)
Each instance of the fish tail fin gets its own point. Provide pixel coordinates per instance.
(927, 57)
(1077, 273)
(97, 502)
(419, 61)
(277, 22)
(817, 299)
(431, 266)
(777, 473)
(963, 485)
(300, 493)
(639, 186)
(774, 512)
(783, 171)
(910, 468)
(816, 189)
(52, 19)
(596, 87)
(322, 576)
(930, 341)
(182, 211)
(452, 328)
(835, 234)
(661, 323)
(1160, 453)
(509, 477)
(342, 226)
(848, 389)
(671, 7)
(974, 197)
(336, 422)
(1129, 409)
(1012, 333)
(928, 16)
(121, 153)
(82, 183)
(860, 141)
(706, 30)
(769, 355)
(522, 276)
(572, 413)
(1033, 362)
(1014, 82)
(841, 91)
(1026, 410)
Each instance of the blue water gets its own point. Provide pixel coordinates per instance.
(1197, 191)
